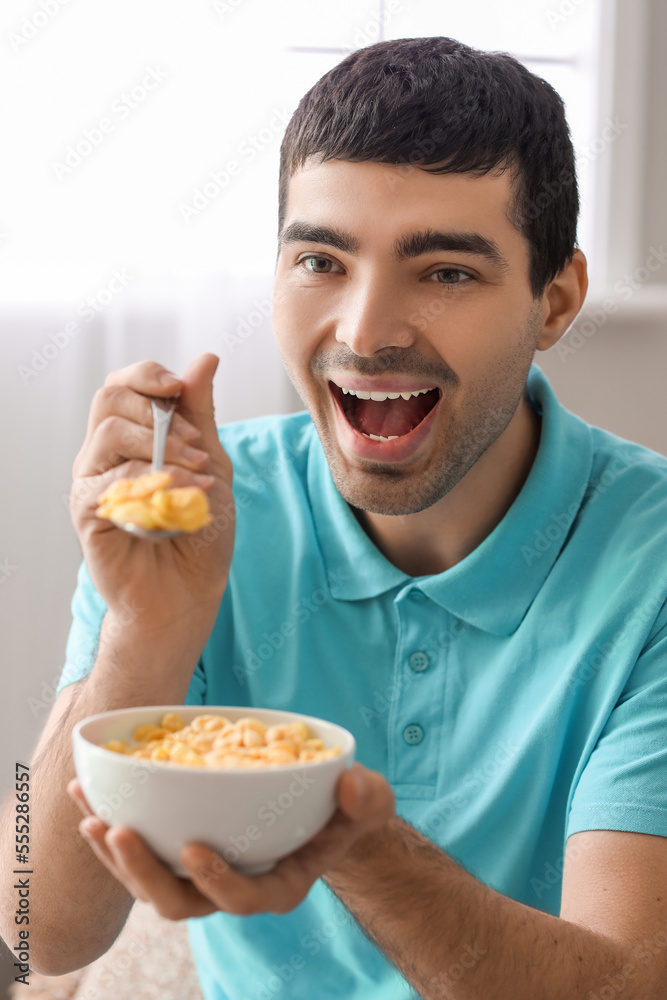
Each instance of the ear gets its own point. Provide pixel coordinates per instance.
(562, 300)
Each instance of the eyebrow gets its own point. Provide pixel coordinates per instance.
(405, 247)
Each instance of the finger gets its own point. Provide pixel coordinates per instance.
(75, 792)
(279, 890)
(94, 832)
(196, 402)
(298, 871)
(233, 892)
(174, 898)
(147, 377)
(365, 796)
(366, 802)
(119, 400)
(117, 440)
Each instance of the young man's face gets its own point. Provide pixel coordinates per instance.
(392, 280)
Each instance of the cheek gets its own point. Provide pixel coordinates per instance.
(297, 326)
(475, 336)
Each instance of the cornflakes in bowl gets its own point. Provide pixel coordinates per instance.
(199, 778)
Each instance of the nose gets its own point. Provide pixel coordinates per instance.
(373, 318)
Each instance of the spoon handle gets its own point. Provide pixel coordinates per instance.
(162, 413)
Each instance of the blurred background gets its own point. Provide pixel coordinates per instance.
(138, 217)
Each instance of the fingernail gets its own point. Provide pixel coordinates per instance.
(204, 481)
(89, 825)
(167, 378)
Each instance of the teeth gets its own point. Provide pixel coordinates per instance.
(381, 396)
(378, 437)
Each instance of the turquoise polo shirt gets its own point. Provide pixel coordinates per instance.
(512, 700)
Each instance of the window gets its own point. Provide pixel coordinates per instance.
(147, 136)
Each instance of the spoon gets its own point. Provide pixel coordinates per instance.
(163, 409)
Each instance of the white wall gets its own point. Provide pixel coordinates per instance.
(616, 378)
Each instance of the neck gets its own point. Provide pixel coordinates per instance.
(437, 538)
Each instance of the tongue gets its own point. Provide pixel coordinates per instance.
(392, 416)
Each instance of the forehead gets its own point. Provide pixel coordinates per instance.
(384, 200)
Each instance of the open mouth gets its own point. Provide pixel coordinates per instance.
(388, 415)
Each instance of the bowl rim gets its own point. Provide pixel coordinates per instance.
(163, 765)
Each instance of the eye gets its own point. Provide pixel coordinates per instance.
(450, 276)
(320, 265)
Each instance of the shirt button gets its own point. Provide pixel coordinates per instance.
(418, 662)
(413, 734)
(418, 596)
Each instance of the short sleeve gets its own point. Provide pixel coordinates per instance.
(88, 610)
(196, 693)
(624, 784)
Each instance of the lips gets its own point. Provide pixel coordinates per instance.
(390, 417)
(387, 430)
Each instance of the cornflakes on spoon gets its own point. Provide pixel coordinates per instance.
(151, 503)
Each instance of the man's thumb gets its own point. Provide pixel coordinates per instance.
(196, 402)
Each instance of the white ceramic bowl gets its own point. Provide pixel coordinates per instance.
(251, 817)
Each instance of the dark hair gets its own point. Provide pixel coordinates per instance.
(434, 100)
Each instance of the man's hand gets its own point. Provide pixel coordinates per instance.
(186, 575)
(365, 804)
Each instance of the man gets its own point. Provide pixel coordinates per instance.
(437, 555)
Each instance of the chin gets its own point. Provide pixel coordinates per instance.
(385, 489)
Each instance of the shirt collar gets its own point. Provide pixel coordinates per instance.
(493, 587)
